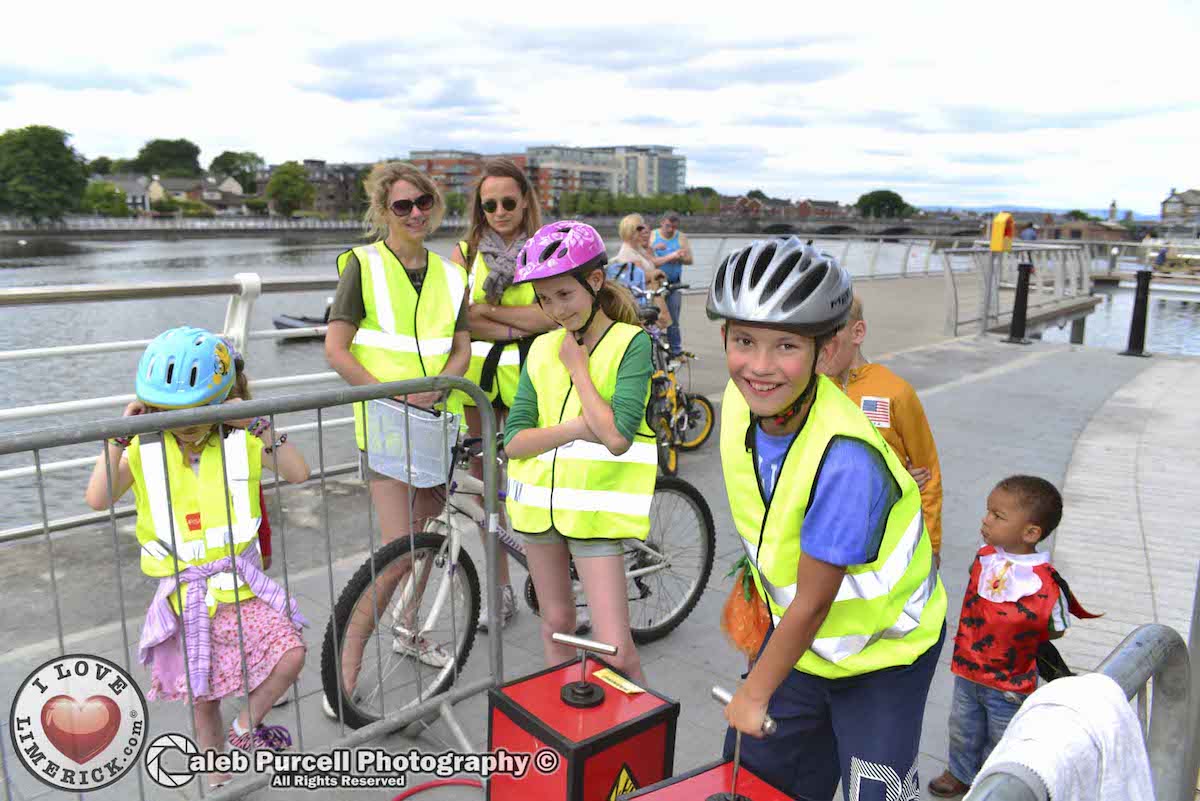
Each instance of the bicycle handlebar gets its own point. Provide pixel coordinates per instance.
(662, 290)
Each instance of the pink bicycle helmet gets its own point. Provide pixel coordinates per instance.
(559, 248)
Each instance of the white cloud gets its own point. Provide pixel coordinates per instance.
(1034, 104)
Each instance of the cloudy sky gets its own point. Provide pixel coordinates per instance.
(1046, 104)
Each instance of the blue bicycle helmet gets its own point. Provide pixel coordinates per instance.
(185, 367)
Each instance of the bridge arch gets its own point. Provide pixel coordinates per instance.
(838, 228)
(779, 228)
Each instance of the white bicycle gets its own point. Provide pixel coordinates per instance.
(419, 596)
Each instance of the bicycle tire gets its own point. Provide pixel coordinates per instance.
(353, 714)
(705, 430)
(708, 543)
(668, 455)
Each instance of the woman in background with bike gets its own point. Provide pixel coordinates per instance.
(399, 313)
(503, 319)
(582, 461)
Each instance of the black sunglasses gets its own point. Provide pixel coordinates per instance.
(641, 228)
(509, 203)
(403, 208)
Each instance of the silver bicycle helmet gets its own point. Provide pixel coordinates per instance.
(783, 283)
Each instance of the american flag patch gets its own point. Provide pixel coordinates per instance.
(878, 411)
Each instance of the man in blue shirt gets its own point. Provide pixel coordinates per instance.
(671, 252)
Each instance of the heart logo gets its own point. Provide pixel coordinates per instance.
(81, 730)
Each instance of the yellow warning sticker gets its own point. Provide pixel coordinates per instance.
(624, 784)
(619, 682)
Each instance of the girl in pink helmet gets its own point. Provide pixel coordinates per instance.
(582, 461)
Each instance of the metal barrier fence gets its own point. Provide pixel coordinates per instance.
(1151, 653)
(391, 718)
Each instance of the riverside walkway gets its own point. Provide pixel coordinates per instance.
(1116, 434)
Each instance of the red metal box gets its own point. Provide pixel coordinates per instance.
(622, 743)
(699, 784)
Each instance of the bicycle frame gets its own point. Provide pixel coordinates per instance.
(464, 509)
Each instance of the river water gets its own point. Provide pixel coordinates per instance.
(1174, 325)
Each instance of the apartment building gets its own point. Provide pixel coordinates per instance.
(454, 171)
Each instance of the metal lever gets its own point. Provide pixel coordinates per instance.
(723, 697)
(583, 693)
(595, 646)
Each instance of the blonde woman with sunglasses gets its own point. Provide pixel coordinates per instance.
(399, 313)
(504, 319)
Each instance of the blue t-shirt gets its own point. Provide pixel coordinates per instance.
(662, 246)
(848, 509)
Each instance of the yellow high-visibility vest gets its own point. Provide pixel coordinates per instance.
(508, 368)
(184, 514)
(582, 489)
(405, 334)
(888, 612)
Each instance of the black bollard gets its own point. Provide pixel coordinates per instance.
(1137, 324)
(1016, 329)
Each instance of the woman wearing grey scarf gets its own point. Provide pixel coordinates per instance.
(503, 319)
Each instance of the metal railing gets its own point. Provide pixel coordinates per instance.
(219, 223)
(243, 290)
(1061, 273)
(391, 719)
(887, 256)
(1151, 653)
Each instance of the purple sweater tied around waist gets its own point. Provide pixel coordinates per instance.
(160, 634)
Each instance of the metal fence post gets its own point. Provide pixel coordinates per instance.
(985, 302)
(875, 257)
(949, 298)
(237, 314)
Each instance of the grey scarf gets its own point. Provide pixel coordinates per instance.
(501, 261)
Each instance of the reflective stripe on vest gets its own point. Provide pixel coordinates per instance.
(508, 370)
(581, 489)
(403, 344)
(405, 334)
(886, 613)
(189, 533)
(481, 348)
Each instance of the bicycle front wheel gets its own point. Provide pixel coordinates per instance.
(698, 422)
(666, 574)
(401, 630)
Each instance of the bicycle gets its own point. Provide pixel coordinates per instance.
(679, 418)
(424, 591)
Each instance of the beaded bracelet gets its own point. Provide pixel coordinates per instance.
(121, 442)
(258, 426)
(282, 439)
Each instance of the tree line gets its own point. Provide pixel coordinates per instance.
(43, 177)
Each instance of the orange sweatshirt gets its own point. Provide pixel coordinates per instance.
(891, 404)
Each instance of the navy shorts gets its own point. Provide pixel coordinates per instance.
(864, 731)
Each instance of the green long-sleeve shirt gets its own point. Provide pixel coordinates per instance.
(628, 401)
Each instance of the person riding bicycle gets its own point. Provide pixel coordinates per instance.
(582, 461)
(831, 525)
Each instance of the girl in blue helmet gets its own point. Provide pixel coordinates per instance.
(198, 501)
